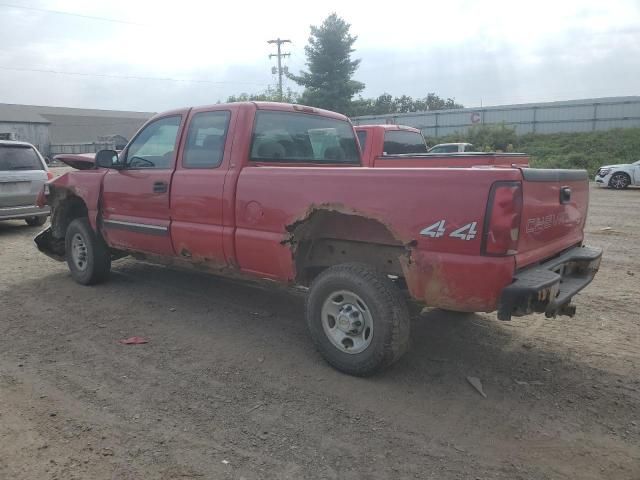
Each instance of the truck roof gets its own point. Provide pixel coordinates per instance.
(282, 107)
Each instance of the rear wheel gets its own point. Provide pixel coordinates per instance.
(619, 181)
(358, 319)
(36, 221)
(86, 253)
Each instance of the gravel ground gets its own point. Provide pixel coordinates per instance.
(229, 385)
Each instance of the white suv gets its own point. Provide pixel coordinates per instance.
(619, 176)
(23, 173)
(452, 148)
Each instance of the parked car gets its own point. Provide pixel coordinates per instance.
(23, 173)
(619, 176)
(394, 146)
(452, 148)
(276, 191)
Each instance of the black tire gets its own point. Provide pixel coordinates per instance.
(95, 263)
(36, 221)
(388, 312)
(619, 181)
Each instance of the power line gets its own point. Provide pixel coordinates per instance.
(129, 77)
(279, 42)
(58, 12)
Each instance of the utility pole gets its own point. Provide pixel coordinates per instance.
(279, 42)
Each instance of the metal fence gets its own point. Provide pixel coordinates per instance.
(552, 117)
(90, 147)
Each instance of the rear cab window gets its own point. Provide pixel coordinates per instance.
(19, 157)
(362, 138)
(302, 138)
(399, 142)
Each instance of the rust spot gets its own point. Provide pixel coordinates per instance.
(330, 233)
(296, 227)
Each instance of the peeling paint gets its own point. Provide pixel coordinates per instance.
(339, 208)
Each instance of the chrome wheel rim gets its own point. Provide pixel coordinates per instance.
(619, 181)
(347, 322)
(79, 252)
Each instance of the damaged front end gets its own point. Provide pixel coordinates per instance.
(49, 245)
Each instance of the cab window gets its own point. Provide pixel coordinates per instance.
(205, 140)
(155, 144)
(399, 142)
(362, 138)
(302, 138)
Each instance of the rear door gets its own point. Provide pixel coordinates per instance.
(135, 198)
(197, 188)
(554, 212)
(22, 175)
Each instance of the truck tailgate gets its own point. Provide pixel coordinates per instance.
(555, 204)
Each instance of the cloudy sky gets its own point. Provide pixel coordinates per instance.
(150, 55)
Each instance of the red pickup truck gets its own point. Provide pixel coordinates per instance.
(277, 191)
(393, 146)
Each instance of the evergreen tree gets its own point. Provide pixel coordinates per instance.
(328, 82)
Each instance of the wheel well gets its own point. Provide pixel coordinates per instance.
(65, 210)
(621, 173)
(329, 237)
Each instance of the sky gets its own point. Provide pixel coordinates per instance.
(148, 55)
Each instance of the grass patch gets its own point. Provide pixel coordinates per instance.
(585, 150)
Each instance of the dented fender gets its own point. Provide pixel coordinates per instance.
(84, 184)
(445, 280)
(49, 245)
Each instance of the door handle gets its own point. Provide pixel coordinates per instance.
(160, 187)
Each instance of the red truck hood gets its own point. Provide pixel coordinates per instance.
(79, 161)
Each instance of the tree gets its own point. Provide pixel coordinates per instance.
(328, 83)
(269, 95)
(386, 104)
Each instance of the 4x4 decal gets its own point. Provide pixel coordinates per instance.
(437, 230)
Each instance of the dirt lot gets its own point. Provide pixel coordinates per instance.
(229, 385)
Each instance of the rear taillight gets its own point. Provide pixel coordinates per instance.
(50, 175)
(502, 221)
(41, 199)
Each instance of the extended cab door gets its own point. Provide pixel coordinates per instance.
(198, 186)
(135, 198)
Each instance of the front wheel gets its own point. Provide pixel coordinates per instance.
(87, 255)
(619, 181)
(358, 319)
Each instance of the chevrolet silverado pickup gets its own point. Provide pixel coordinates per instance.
(392, 146)
(278, 192)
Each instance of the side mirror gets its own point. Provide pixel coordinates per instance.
(107, 159)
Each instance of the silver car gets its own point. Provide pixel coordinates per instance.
(23, 173)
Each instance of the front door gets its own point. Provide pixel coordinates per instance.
(135, 198)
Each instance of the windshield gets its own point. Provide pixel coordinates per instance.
(19, 157)
(299, 137)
